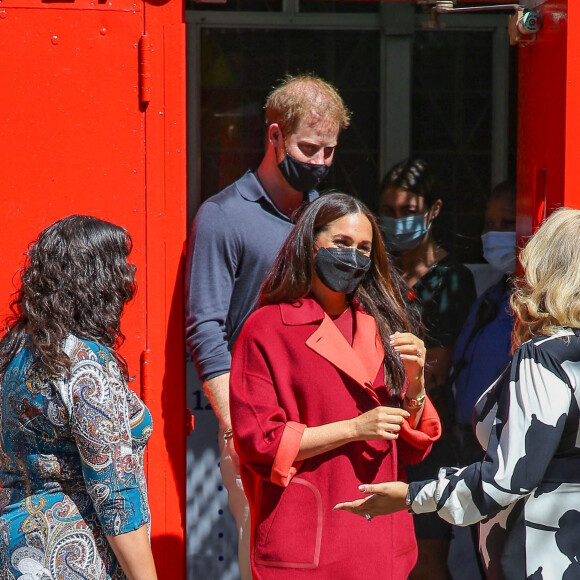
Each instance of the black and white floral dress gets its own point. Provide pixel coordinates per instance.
(526, 491)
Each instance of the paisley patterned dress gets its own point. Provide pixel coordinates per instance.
(71, 466)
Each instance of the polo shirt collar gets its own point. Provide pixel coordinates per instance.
(251, 189)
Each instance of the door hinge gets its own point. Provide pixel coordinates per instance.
(145, 54)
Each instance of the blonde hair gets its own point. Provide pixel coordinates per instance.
(301, 97)
(547, 297)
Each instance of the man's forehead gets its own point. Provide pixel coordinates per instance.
(316, 124)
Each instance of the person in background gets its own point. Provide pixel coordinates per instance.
(482, 350)
(73, 501)
(442, 291)
(525, 491)
(327, 390)
(234, 240)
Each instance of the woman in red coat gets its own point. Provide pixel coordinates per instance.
(327, 392)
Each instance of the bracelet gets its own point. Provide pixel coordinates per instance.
(228, 433)
(409, 502)
(417, 402)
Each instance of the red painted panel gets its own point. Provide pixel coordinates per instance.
(542, 119)
(72, 133)
(99, 5)
(572, 154)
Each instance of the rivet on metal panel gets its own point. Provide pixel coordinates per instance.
(3, 14)
(103, 31)
(54, 39)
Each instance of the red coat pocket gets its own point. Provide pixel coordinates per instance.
(289, 527)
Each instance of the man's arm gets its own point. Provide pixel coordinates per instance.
(217, 391)
(209, 280)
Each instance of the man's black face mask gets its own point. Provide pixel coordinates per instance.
(302, 176)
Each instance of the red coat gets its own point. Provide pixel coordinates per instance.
(292, 368)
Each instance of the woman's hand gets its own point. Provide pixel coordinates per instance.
(386, 498)
(379, 423)
(412, 352)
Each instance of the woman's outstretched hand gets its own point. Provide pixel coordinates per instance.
(385, 498)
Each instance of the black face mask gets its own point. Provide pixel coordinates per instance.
(341, 269)
(302, 176)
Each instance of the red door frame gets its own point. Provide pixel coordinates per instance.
(164, 359)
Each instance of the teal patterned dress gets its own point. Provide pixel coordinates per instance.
(71, 466)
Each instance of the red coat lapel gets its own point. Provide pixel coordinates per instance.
(358, 361)
(366, 335)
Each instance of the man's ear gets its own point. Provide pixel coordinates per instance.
(275, 135)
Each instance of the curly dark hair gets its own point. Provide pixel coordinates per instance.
(76, 280)
(380, 292)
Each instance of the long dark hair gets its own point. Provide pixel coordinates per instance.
(76, 280)
(379, 293)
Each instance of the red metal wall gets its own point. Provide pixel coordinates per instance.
(572, 115)
(549, 117)
(75, 138)
(541, 120)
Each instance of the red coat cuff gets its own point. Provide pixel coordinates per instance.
(427, 431)
(284, 467)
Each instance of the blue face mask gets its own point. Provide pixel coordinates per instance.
(499, 249)
(404, 233)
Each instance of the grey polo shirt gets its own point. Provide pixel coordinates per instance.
(234, 240)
